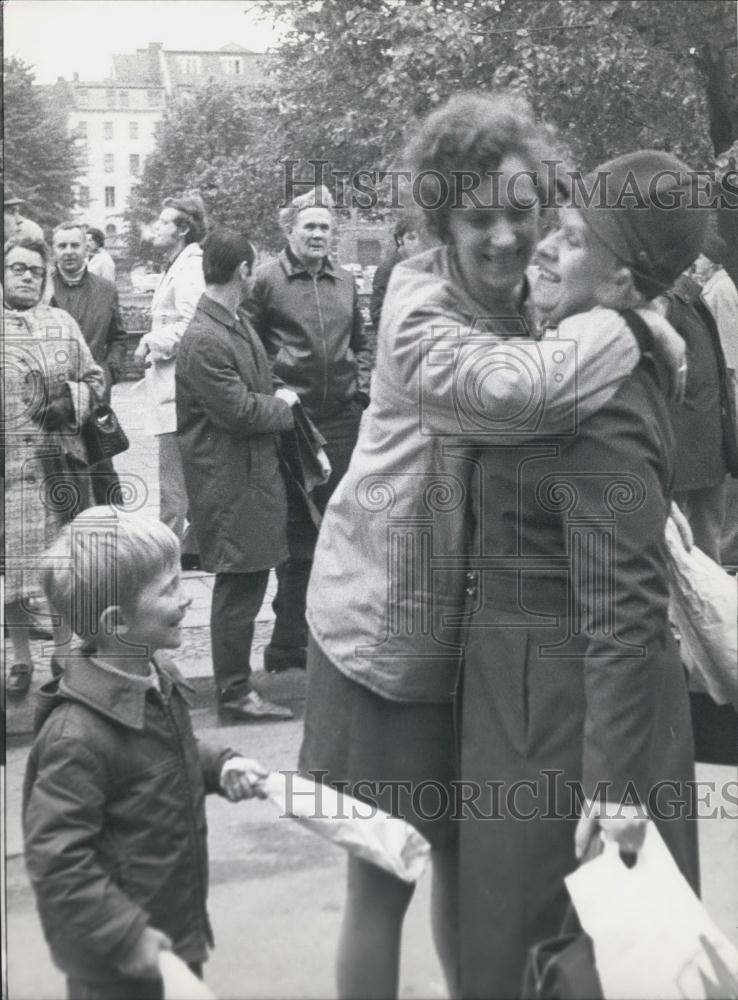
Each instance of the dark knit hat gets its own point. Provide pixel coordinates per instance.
(642, 206)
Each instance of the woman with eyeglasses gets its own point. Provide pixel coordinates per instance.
(50, 382)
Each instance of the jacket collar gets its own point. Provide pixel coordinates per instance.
(73, 282)
(108, 690)
(216, 311)
(293, 266)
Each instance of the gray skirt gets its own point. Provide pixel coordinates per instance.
(400, 756)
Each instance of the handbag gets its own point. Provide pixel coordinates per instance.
(103, 435)
(562, 967)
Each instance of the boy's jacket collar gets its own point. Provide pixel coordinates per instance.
(113, 693)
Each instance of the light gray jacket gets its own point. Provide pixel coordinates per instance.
(388, 582)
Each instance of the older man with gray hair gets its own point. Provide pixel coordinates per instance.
(306, 312)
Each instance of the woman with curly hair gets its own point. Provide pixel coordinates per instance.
(387, 591)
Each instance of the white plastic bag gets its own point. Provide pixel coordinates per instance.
(704, 607)
(653, 939)
(179, 982)
(363, 830)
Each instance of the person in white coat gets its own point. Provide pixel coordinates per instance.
(177, 233)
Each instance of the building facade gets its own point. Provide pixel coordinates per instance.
(114, 121)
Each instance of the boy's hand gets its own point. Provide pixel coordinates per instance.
(241, 777)
(142, 962)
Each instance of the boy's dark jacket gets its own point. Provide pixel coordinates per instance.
(114, 817)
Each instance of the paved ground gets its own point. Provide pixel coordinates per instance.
(277, 890)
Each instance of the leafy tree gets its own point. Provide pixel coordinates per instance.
(611, 75)
(216, 142)
(40, 160)
(349, 79)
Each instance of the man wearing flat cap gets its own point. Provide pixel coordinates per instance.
(15, 225)
(306, 312)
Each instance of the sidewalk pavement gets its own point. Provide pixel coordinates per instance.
(139, 471)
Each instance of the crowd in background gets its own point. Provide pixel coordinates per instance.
(282, 442)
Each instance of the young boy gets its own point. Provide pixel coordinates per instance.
(113, 803)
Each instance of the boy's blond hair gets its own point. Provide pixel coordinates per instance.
(104, 557)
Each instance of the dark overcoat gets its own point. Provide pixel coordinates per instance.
(572, 681)
(227, 422)
(698, 421)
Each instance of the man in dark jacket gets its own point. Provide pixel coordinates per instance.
(93, 302)
(407, 243)
(702, 422)
(306, 312)
(227, 421)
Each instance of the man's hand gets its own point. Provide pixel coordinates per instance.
(287, 395)
(241, 778)
(626, 825)
(142, 350)
(325, 465)
(682, 526)
(142, 962)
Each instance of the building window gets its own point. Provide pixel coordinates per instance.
(133, 130)
(83, 97)
(154, 98)
(83, 198)
(189, 65)
(110, 97)
(109, 163)
(134, 164)
(107, 130)
(80, 131)
(110, 197)
(231, 66)
(123, 98)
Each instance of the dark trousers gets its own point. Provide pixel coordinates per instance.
(237, 598)
(105, 483)
(290, 628)
(122, 988)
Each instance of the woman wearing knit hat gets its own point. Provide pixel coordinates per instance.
(177, 234)
(572, 679)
